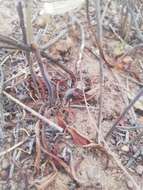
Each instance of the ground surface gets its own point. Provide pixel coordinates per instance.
(26, 167)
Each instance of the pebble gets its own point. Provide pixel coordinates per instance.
(125, 148)
(130, 185)
(5, 163)
(139, 169)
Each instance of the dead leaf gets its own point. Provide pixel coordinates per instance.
(78, 138)
(61, 121)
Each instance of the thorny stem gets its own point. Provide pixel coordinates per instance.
(124, 112)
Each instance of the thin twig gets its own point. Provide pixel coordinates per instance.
(53, 41)
(105, 10)
(2, 119)
(82, 43)
(99, 37)
(21, 20)
(51, 60)
(124, 112)
(7, 47)
(13, 147)
(33, 112)
(14, 43)
(124, 96)
(45, 75)
(18, 45)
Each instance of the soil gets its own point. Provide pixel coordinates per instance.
(121, 83)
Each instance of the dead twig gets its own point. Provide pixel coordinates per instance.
(2, 119)
(33, 112)
(25, 40)
(18, 45)
(54, 40)
(45, 75)
(51, 60)
(100, 39)
(28, 17)
(14, 43)
(108, 150)
(13, 147)
(124, 112)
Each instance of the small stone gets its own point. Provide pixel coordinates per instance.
(5, 164)
(139, 169)
(113, 142)
(130, 185)
(4, 174)
(125, 148)
(9, 140)
(134, 148)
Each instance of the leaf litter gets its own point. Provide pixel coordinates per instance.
(50, 132)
